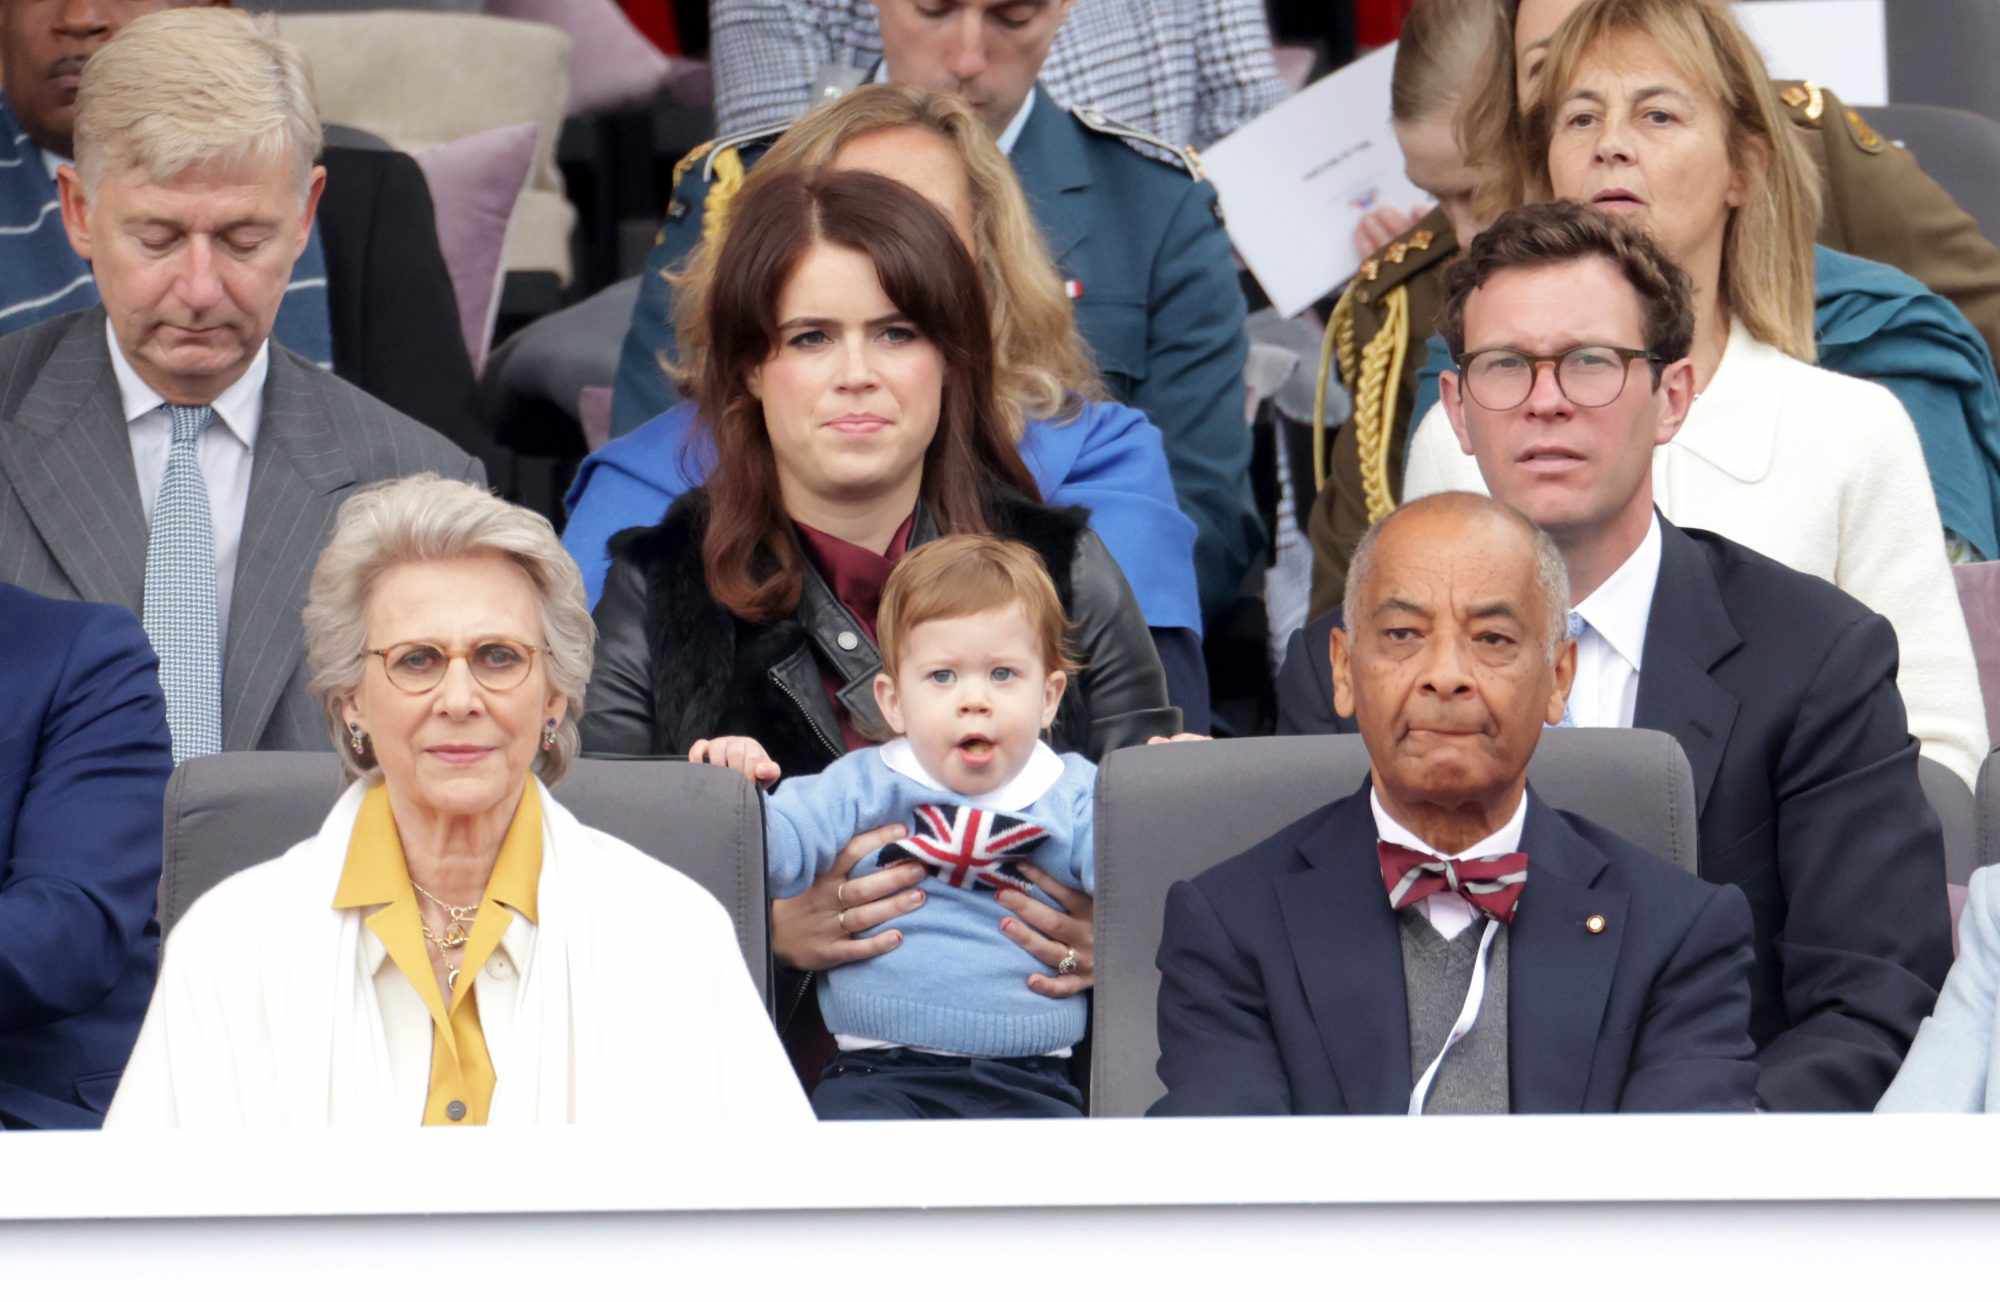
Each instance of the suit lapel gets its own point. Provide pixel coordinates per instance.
(1049, 158)
(1350, 960)
(298, 470)
(1687, 633)
(68, 455)
(1559, 971)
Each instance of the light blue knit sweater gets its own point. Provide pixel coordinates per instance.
(956, 984)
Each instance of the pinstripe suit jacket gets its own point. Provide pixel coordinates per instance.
(71, 524)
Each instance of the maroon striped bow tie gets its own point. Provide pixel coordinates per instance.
(1492, 885)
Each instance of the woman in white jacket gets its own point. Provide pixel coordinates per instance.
(1820, 471)
(453, 947)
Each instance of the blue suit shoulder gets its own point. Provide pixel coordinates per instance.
(40, 629)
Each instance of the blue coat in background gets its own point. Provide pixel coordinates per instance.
(1876, 323)
(1156, 296)
(84, 762)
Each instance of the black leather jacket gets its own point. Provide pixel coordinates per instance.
(673, 666)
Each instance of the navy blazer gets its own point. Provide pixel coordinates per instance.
(84, 762)
(1157, 299)
(1782, 690)
(1281, 979)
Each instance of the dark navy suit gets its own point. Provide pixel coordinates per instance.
(1281, 979)
(1782, 690)
(84, 761)
(1156, 298)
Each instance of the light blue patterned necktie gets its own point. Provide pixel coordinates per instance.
(1577, 624)
(180, 609)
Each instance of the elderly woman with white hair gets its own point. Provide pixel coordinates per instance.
(452, 946)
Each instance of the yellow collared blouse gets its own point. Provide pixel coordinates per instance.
(376, 874)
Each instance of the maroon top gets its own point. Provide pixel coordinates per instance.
(857, 577)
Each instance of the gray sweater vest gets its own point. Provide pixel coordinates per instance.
(1436, 975)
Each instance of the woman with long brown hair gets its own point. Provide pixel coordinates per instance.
(847, 383)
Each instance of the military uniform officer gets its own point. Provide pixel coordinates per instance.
(1134, 228)
(1378, 331)
(1881, 204)
(1878, 204)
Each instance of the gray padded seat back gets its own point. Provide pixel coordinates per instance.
(1943, 52)
(1952, 802)
(226, 812)
(1165, 813)
(1987, 801)
(1960, 150)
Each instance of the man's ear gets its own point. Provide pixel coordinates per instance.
(1565, 675)
(1453, 398)
(1342, 655)
(1676, 395)
(315, 187)
(887, 701)
(1052, 694)
(75, 209)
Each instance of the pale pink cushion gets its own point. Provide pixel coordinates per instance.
(1979, 595)
(593, 412)
(611, 64)
(475, 182)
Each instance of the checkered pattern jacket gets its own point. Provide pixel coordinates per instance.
(1188, 71)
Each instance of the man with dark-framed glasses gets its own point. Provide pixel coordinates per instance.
(1571, 333)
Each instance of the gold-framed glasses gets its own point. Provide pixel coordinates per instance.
(499, 664)
(1591, 375)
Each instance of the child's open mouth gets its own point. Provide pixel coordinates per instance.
(975, 750)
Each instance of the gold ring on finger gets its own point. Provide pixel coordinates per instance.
(840, 893)
(840, 919)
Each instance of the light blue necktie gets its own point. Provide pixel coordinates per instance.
(1577, 624)
(180, 609)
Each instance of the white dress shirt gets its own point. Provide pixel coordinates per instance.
(1606, 690)
(1448, 911)
(225, 454)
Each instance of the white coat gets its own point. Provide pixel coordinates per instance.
(633, 1007)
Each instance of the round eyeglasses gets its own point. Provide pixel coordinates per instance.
(1592, 375)
(498, 664)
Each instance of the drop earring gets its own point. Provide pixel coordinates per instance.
(357, 738)
(549, 736)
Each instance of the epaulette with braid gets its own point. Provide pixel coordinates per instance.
(1372, 371)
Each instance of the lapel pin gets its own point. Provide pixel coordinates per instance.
(1594, 924)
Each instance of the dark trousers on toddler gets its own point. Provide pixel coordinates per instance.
(910, 1085)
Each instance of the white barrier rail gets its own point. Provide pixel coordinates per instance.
(1831, 1201)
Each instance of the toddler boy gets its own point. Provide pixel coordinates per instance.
(973, 668)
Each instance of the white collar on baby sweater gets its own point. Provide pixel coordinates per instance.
(1042, 771)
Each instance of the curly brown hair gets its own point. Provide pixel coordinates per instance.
(1550, 234)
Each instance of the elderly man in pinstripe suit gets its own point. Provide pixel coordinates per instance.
(160, 452)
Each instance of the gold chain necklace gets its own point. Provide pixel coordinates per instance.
(456, 933)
